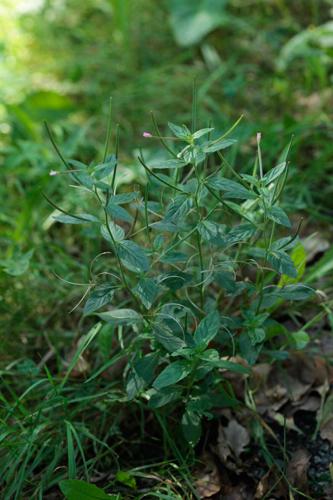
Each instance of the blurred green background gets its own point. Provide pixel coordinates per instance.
(61, 60)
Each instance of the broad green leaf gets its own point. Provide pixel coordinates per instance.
(274, 173)
(121, 316)
(191, 20)
(99, 297)
(242, 232)
(214, 146)
(175, 279)
(257, 335)
(191, 427)
(126, 478)
(79, 219)
(75, 489)
(178, 208)
(182, 132)
(231, 189)
(167, 338)
(147, 290)
(124, 198)
(104, 169)
(301, 339)
(278, 215)
(173, 373)
(212, 232)
(282, 263)
(117, 232)
(133, 256)
(164, 164)
(298, 256)
(17, 265)
(118, 212)
(164, 397)
(207, 329)
(294, 292)
(201, 132)
(226, 365)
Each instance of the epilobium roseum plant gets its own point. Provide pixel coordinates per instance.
(193, 269)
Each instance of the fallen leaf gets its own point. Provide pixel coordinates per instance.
(297, 469)
(208, 481)
(237, 437)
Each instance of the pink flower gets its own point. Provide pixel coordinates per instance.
(147, 134)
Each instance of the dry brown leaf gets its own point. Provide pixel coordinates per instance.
(297, 469)
(326, 431)
(208, 481)
(237, 437)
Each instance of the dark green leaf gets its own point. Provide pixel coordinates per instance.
(278, 215)
(214, 146)
(191, 427)
(79, 219)
(274, 173)
(207, 329)
(75, 489)
(99, 297)
(133, 256)
(231, 189)
(121, 316)
(172, 374)
(147, 291)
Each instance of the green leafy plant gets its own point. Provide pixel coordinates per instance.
(192, 270)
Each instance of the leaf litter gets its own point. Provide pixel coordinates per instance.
(279, 443)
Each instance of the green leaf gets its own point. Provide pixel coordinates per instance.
(79, 219)
(192, 20)
(257, 335)
(18, 265)
(164, 164)
(178, 208)
(293, 292)
(75, 489)
(282, 263)
(175, 279)
(99, 297)
(124, 198)
(164, 397)
(212, 232)
(172, 374)
(121, 316)
(104, 169)
(201, 132)
(117, 232)
(214, 146)
(133, 256)
(166, 337)
(231, 189)
(301, 339)
(298, 256)
(226, 365)
(182, 132)
(147, 290)
(126, 478)
(118, 212)
(207, 329)
(242, 232)
(191, 427)
(274, 173)
(278, 215)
